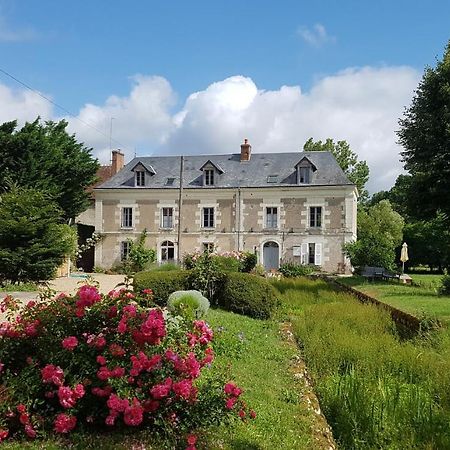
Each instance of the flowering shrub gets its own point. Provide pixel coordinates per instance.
(232, 260)
(96, 360)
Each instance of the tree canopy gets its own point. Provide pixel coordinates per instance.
(356, 171)
(33, 241)
(44, 156)
(425, 136)
(380, 231)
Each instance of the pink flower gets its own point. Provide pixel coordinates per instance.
(232, 389)
(101, 360)
(21, 408)
(78, 391)
(116, 350)
(103, 373)
(64, 423)
(134, 414)
(52, 374)
(252, 414)
(129, 310)
(66, 397)
(69, 343)
(191, 439)
(230, 403)
(122, 327)
(242, 414)
(31, 303)
(3, 434)
(159, 391)
(110, 420)
(30, 431)
(183, 388)
(117, 404)
(153, 329)
(150, 405)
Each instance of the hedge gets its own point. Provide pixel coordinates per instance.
(247, 294)
(161, 283)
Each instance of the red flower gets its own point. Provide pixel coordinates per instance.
(122, 327)
(252, 414)
(160, 391)
(3, 434)
(69, 343)
(66, 397)
(242, 414)
(150, 405)
(134, 414)
(101, 360)
(116, 350)
(52, 374)
(64, 423)
(191, 439)
(21, 408)
(30, 431)
(78, 391)
(24, 418)
(117, 404)
(230, 403)
(232, 389)
(183, 388)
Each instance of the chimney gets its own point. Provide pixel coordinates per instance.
(246, 150)
(118, 161)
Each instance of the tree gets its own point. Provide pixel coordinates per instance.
(356, 171)
(425, 136)
(47, 158)
(33, 241)
(379, 233)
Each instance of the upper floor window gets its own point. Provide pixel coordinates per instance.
(271, 217)
(208, 217)
(167, 218)
(315, 216)
(125, 247)
(140, 178)
(304, 175)
(209, 177)
(127, 217)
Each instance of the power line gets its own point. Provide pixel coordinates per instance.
(59, 106)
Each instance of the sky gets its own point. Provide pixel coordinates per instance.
(179, 77)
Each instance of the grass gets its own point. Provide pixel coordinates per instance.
(260, 363)
(22, 287)
(376, 390)
(421, 300)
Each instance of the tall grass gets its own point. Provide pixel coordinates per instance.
(376, 390)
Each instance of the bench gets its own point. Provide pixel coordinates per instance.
(378, 273)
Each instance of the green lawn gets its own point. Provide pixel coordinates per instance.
(416, 300)
(260, 361)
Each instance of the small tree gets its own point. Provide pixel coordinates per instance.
(33, 241)
(379, 233)
(139, 256)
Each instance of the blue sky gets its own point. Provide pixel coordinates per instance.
(333, 58)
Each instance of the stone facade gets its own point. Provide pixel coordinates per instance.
(241, 222)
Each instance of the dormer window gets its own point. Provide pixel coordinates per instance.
(209, 177)
(140, 178)
(304, 169)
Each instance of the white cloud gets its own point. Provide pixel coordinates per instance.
(8, 34)
(317, 36)
(360, 105)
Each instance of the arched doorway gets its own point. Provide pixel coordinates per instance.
(271, 255)
(167, 252)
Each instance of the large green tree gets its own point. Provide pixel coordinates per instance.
(380, 231)
(356, 171)
(33, 241)
(44, 156)
(425, 136)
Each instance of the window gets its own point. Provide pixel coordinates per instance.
(127, 217)
(169, 181)
(304, 175)
(140, 178)
(125, 247)
(167, 251)
(315, 216)
(311, 253)
(208, 247)
(167, 218)
(208, 217)
(272, 179)
(209, 177)
(271, 217)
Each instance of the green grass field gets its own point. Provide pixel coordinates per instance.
(421, 300)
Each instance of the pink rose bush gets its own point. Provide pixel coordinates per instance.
(108, 361)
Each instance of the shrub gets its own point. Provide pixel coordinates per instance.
(206, 275)
(161, 283)
(444, 289)
(227, 263)
(96, 360)
(166, 267)
(292, 270)
(247, 294)
(190, 304)
(139, 256)
(248, 262)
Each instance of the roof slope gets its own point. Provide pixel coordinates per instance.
(253, 173)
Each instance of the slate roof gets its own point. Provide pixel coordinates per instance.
(253, 173)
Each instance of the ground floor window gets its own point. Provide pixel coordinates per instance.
(208, 247)
(125, 247)
(167, 251)
(311, 253)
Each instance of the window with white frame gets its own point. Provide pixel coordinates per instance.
(208, 247)
(315, 216)
(208, 217)
(304, 175)
(127, 217)
(209, 177)
(140, 178)
(167, 218)
(125, 247)
(271, 217)
(311, 253)
(167, 251)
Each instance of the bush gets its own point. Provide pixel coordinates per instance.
(247, 294)
(206, 275)
(190, 304)
(140, 256)
(444, 289)
(248, 262)
(293, 270)
(227, 263)
(95, 360)
(161, 283)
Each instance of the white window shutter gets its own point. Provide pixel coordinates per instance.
(318, 255)
(304, 254)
